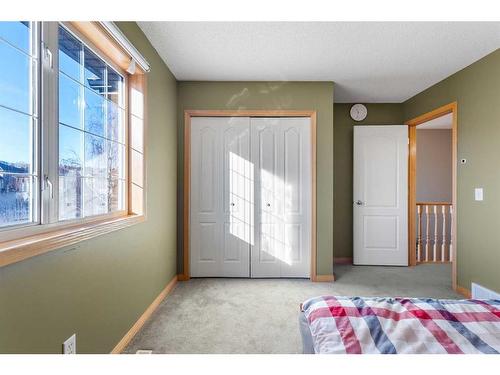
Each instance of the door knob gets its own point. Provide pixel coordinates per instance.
(269, 205)
(359, 203)
(232, 204)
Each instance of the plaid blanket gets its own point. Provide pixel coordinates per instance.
(403, 325)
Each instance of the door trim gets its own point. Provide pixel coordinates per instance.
(188, 114)
(412, 181)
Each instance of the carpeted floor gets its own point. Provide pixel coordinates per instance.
(261, 315)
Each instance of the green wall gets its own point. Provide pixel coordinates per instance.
(378, 114)
(477, 91)
(273, 95)
(100, 287)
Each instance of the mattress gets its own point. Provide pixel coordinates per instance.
(386, 325)
(305, 333)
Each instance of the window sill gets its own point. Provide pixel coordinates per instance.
(24, 248)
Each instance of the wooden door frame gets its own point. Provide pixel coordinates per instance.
(412, 181)
(188, 114)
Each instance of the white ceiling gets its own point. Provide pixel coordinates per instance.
(371, 62)
(443, 122)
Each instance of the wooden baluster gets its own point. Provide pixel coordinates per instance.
(443, 239)
(434, 248)
(419, 234)
(450, 252)
(427, 234)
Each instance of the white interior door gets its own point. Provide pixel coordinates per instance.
(380, 207)
(221, 198)
(281, 157)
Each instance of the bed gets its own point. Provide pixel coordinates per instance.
(385, 325)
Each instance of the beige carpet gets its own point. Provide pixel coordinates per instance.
(260, 315)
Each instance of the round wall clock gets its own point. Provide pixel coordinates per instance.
(358, 112)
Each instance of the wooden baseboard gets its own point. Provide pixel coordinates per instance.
(182, 277)
(344, 260)
(324, 278)
(463, 291)
(144, 317)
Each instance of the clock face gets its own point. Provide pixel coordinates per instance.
(358, 112)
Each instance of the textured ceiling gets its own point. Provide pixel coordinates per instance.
(370, 62)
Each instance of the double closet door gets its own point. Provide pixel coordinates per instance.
(250, 197)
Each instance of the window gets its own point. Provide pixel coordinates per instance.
(18, 123)
(91, 132)
(71, 126)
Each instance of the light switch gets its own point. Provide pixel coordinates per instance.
(478, 194)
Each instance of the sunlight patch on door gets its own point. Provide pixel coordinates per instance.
(241, 198)
(276, 242)
(276, 198)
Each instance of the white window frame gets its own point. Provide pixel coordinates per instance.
(36, 119)
(13, 238)
(51, 211)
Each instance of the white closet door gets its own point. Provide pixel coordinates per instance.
(297, 207)
(281, 156)
(221, 199)
(237, 200)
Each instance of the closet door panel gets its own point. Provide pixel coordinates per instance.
(293, 243)
(237, 200)
(297, 213)
(208, 241)
(266, 149)
(205, 220)
(207, 171)
(292, 158)
(220, 197)
(281, 155)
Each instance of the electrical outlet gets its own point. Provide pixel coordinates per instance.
(69, 346)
